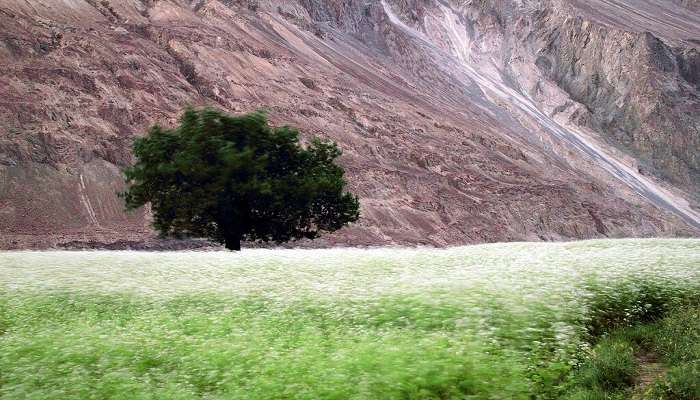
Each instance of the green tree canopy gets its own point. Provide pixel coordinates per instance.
(231, 178)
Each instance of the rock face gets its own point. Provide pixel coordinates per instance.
(640, 91)
(461, 121)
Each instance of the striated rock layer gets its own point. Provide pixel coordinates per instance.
(461, 121)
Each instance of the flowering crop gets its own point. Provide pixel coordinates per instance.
(488, 321)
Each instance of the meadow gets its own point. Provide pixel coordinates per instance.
(497, 321)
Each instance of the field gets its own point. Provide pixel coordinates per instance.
(501, 321)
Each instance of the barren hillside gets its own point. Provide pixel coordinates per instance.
(461, 121)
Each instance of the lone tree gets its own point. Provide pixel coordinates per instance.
(231, 178)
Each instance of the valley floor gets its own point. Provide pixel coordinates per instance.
(516, 321)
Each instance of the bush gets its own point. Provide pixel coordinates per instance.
(680, 383)
(633, 302)
(679, 343)
(611, 367)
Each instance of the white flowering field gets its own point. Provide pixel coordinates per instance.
(481, 322)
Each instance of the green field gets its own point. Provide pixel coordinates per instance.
(501, 321)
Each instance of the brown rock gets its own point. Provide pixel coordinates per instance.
(459, 123)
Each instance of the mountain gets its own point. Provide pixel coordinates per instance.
(461, 121)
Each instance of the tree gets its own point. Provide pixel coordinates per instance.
(231, 178)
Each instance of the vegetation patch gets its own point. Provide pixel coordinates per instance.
(653, 360)
(515, 321)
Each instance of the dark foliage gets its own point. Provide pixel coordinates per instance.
(232, 178)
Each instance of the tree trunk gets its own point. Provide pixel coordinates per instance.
(233, 242)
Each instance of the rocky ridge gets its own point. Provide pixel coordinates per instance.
(461, 121)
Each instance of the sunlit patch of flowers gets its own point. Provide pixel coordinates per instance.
(489, 321)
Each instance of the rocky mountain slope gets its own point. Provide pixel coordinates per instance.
(461, 121)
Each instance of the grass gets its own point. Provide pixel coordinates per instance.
(678, 342)
(612, 370)
(506, 321)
